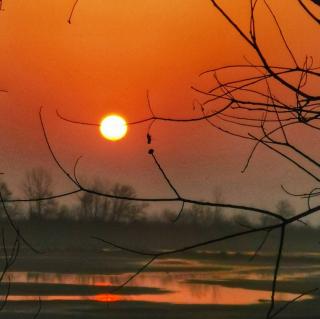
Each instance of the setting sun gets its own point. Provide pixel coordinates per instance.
(113, 127)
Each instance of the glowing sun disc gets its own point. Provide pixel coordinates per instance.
(113, 127)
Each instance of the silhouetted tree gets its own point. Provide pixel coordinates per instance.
(285, 208)
(6, 195)
(93, 207)
(37, 184)
(99, 208)
(65, 213)
(123, 210)
(206, 215)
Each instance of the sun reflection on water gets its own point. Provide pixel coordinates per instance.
(174, 287)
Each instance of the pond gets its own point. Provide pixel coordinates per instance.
(223, 285)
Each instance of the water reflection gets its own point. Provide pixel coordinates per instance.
(174, 288)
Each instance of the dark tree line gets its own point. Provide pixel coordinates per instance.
(38, 183)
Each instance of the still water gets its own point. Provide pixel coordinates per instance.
(177, 287)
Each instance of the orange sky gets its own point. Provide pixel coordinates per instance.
(105, 61)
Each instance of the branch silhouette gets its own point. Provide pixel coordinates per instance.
(250, 104)
(264, 118)
(72, 11)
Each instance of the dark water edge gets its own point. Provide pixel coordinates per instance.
(116, 262)
(62, 235)
(142, 310)
(69, 249)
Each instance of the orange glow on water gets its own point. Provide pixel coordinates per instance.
(105, 298)
(172, 288)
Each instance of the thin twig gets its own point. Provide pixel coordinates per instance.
(72, 10)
